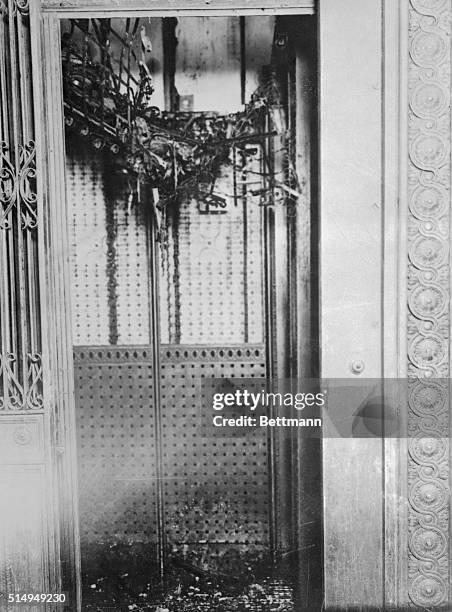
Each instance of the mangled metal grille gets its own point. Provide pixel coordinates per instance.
(167, 155)
(103, 90)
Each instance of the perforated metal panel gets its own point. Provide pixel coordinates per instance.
(109, 256)
(216, 491)
(211, 288)
(212, 270)
(216, 499)
(88, 250)
(130, 258)
(116, 445)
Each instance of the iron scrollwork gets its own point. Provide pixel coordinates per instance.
(21, 375)
(15, 395)
(23, 6)
(27, 185)
(18, 186)
(8, 186)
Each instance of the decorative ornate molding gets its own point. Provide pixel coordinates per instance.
(12, 397)
(8, 186)
(429, 182)
(17, 394)
(18, 185)
(23, 6)
(27, 185)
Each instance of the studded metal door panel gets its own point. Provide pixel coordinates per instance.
(116, 450)
(216, 489)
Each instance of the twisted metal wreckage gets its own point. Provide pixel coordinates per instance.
(108, 99)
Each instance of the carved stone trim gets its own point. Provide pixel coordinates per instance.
(429, 177)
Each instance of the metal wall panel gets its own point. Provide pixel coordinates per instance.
(211, 282)
(216, 488)
(116, 446)
(109, 256)
(88, 256)
(211, 273)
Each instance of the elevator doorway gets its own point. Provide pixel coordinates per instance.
(174, 285)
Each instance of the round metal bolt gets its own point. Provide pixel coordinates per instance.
(357, 366)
